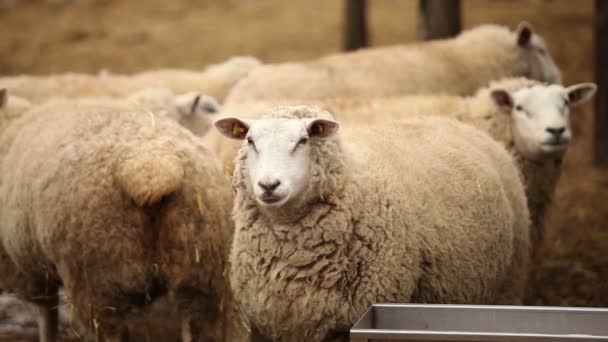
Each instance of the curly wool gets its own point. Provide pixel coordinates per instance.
(540, 177)
(427, 210)
(118, 206)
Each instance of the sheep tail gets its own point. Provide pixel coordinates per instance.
(147, 175)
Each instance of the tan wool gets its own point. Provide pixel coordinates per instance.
(426, 210)
(216, 80)
(458, 66)
(118, 206)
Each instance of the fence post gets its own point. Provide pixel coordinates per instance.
(355, 24)
(600, 141)
(438, 19)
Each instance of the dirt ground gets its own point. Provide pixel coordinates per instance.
(126, 36)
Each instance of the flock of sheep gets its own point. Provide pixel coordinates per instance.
(414, 173)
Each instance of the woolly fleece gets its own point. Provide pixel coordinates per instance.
(119, 206)
(458, 66)
(216, 80)
(441, 217)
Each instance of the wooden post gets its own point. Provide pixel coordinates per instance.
(438, 19)
(601, 78)
(355, 24)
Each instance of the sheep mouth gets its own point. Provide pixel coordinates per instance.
(555, 145)
(268, 199)
(560, 142)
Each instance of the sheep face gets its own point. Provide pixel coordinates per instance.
(541, 116)
(542, 66)
(278, 155)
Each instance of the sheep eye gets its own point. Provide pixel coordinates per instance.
(541, 51)
(251, 143)
(302, 141)
(519, 108)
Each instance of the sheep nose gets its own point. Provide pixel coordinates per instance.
(269, 187)
(556, 131)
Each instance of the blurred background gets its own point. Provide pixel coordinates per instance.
(41, 37)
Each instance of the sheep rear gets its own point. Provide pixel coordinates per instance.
(148, 176)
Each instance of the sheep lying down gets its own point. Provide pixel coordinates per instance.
(119, 207)
(327, 222)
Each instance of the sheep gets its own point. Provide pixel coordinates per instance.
(120, 207)
(537, 131)
(456, 66)
(192, 110)
(440, 216)
(215, 80)
(524, 136)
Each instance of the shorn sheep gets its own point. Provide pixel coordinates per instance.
(215, 80)
(119, 207)
(455, 66)
(531, 119)
(425, 210)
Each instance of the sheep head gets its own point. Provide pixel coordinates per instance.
(541, 116)
(280, 154)
(541, 64)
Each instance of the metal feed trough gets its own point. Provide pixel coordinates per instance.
(422, 322)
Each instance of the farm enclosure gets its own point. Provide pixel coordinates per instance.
(127, 36)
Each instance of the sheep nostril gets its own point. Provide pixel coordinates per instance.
(556, 131)
(269, 186)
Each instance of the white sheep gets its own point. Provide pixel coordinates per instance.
(456, 66)
(119, 207)
(215, 80)
(192, 110)
(528, 137)
(537, 131)
(425, 210)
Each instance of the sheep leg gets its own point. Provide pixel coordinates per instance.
(48, 318)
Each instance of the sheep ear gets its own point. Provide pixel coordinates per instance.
(3, 97)
(321, 128)
(524, 33)
(193, 102)
(579, 94)
(502, 99)
(188, 104)
(233, 128)
(209, 104)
